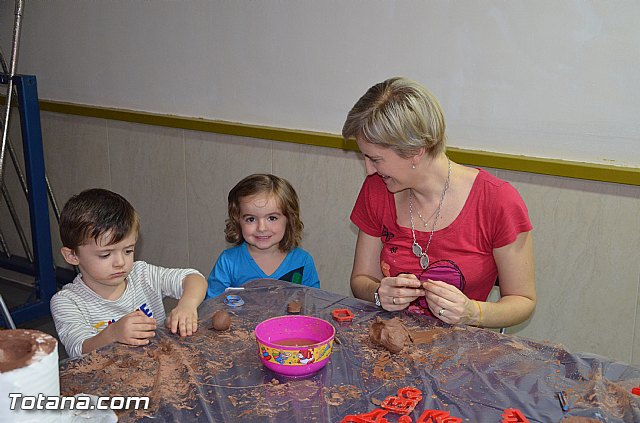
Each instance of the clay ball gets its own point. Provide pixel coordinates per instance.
(221, 320)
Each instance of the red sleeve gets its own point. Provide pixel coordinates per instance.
(367, 212)
(511, 216)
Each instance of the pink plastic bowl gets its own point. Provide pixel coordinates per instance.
(295, 345)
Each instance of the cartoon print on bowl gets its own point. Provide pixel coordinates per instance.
(299, 357)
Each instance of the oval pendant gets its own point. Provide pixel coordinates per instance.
(424, 261)
(417, 250)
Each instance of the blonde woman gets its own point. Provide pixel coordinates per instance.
(434, 235)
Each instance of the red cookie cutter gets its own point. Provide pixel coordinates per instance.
(342, 315)
(399, 405)
(513, 415)
(375, 416)
(438, 416)
(404, 403)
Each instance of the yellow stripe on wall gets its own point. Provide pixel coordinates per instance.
(554, 167)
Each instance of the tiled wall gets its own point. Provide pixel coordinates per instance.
(586, 234)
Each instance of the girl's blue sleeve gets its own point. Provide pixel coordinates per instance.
(219, 279)
(310, 274)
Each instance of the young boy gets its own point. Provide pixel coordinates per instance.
(115, 299)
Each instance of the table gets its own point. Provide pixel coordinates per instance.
(475, 374)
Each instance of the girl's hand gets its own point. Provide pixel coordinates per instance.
(133, 329)
(396, 293)
(448, 303)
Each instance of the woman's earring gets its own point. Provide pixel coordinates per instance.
(413, 166)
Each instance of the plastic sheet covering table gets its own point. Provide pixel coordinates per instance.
(475, 374)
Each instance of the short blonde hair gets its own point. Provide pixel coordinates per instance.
(399, 114)
(285, 197)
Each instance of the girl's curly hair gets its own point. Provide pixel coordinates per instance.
(285, 197)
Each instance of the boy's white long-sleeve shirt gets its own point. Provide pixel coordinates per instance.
(79, 313)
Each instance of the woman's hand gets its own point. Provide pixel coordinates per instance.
(396, 293)
(449, 304)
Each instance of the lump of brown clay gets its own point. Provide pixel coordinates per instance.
(391, 334)
(294, 307)
(221, 320)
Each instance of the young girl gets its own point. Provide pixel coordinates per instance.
(265, 227)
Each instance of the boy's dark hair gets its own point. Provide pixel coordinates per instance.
(93, 213)
(285, 197)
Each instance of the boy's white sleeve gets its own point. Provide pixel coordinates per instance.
(72, 327)
(169, 281)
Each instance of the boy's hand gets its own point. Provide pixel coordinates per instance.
(183, 317)
(133, 329)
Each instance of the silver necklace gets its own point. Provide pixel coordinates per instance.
(416, 248)
(425, 222)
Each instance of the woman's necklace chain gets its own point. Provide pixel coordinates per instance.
(425, 222)
(416, 248)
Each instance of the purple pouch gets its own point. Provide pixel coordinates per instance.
(445, 271)
(441, 270)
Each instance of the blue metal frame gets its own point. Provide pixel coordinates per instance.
(43, 268)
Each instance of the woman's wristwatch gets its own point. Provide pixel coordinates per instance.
(376, 298)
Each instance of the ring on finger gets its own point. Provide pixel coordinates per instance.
(393, 300)
(441, 312)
